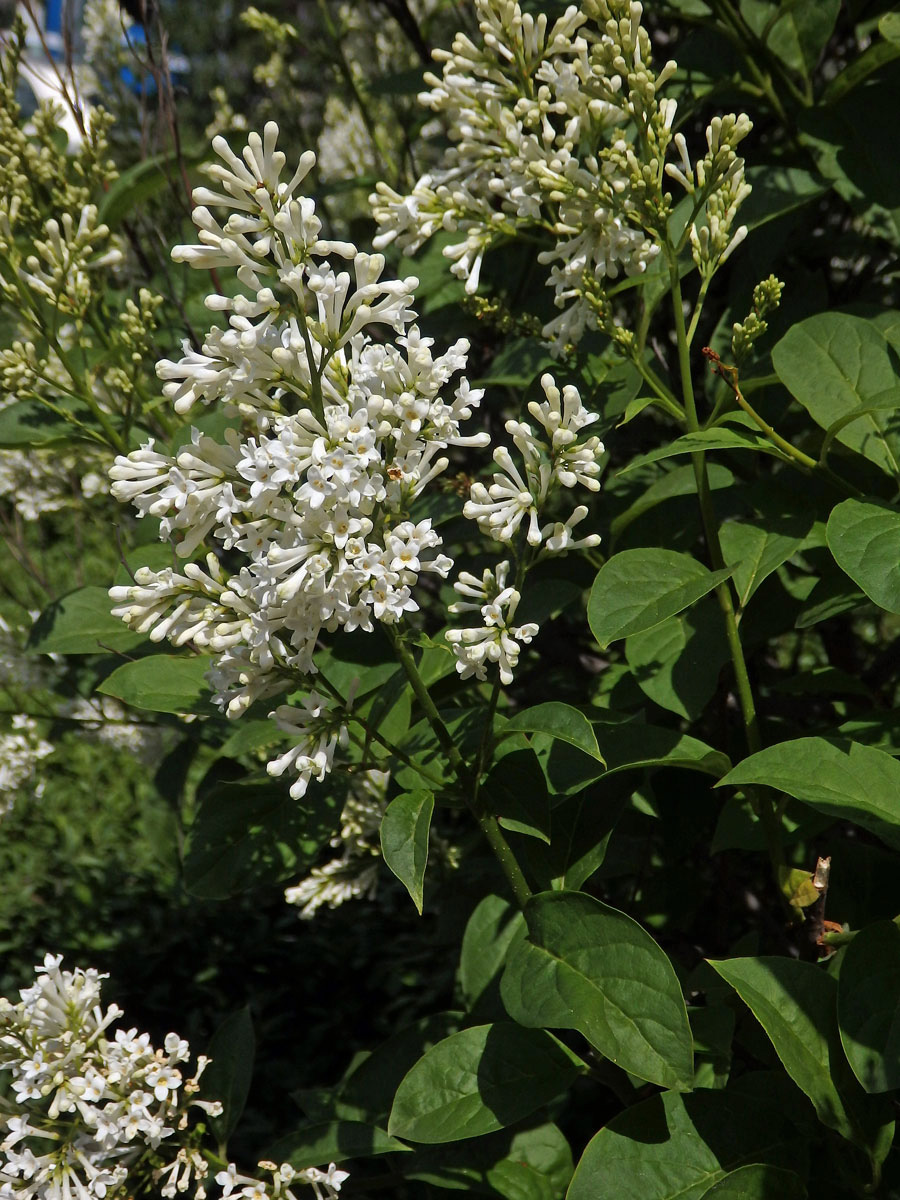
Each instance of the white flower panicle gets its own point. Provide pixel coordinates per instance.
(340, 432)
(326, 1185)
(540, 118)
(21, 750)
(553, 459)
(498, 640)
(86, 1102)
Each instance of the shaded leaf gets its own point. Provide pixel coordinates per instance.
(478, 1080)
(489, 933)
(758, 1181)
(678, 663)
(756, 549)
(868, 1012)
(254, 832)
(675, 1147)
(320, 1143)
(228, 1076)
(81, 623)
(796, 1004)
(844, 779)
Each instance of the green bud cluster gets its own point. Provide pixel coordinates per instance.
(766, 298)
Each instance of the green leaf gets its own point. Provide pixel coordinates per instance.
(404, 840)
(560, 721)
(872, 59)
(680, 481)
(720, 437)
(677, 664)
(631, 745)
(756, 549)
(675, 1147)
(478, 1080)
(530, 1164)
(865, 541)
(81, 623)
(370, 1087)
(29, 424)
(637, 589)
(254, 832)
(833, 363)
(489, 933)
(796, 1004)
(868, 1015)
(589, 967)
(844, 779)
(518, 364)
(143, 180)
(800, 35)
(161, 683)
(320, 1143)
(516, 792)
(758, 1181)
(889, 27)
(777, 190)
(228, 1076)
(856, 154)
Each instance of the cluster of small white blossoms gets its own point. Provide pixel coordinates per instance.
(85, 1104)
(93, 1115)
(21, 750)
(553, 459)
(538, 116)
(345, 432)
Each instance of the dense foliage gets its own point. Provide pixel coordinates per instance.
(448, 667)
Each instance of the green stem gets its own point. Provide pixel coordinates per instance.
(710, 527)
(796, 456)
(489, 825)
(768, 815)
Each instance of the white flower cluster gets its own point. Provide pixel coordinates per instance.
(345, 431)
(325, 1184)
(86, 1104)
(540, 117)
(21, 749)
(551, 461)
(498, 641)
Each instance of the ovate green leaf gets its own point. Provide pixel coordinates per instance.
(560, 721)
(589, 967)
(832, 363)
(161, 683)
(227, 1078)
(638, 589)
(865, 541)
(478, 1080)
(675, 1147)
(404, 840)
(844, 779)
